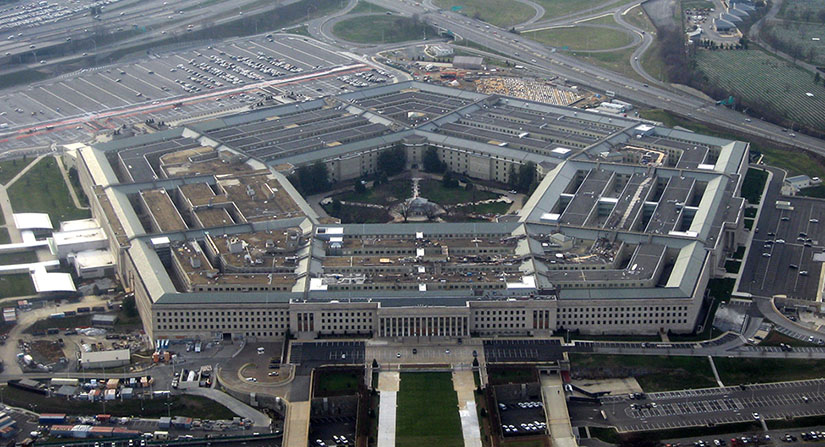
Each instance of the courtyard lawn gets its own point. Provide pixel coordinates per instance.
(42, 190)
(384, 194)
(10, 168)
(19, 284)
(337, 382)
(428, 411)
(435, 191)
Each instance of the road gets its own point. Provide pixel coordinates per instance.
(544, 60)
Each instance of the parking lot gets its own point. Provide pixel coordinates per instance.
(781, 258)
(673, 409)
(521, 418)
(497, 351)
(233, 75)
(314, 354)
(327, 429)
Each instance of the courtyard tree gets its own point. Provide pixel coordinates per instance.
(392, 161)
(431, 161)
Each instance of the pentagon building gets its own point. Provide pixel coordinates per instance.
(626, 227)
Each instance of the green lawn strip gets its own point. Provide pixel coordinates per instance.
(654, 373)
(80, 320)
(700, 4)
(367, 7)
(4, 235)
(19, 284)
(753, 185)
(10, 168)
(610, 435)
(809, 421)
(775, 339)
(735, 371)
(435, 191)
(299, 30)
(487, 208)
(501, 375)
(748, 224)
(740, 252)
(750, 212)
(501, 13)
(336, 382)
(182, 405)
(427, 411)
(795, 162)
(23, 257)
(42, 189)
(582, 37)
(382, 29)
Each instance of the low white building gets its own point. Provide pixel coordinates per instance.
(93, 263)
(105, 359)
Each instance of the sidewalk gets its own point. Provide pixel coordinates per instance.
(555, 408)
(464, 384)
(296, 426)
(388, 385)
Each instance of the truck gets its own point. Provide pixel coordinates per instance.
(161, 436)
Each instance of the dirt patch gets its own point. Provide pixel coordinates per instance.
(46, 352)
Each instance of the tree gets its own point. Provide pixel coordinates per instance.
(359, 186)
(392, 161)
(129, 307)
(817, 77)
(448, 181)
(431, 161)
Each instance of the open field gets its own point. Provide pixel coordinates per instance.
(16, 285)
(42, 190)
(501, 13)
(10, 168)
(420, 422)
(555, 8)
(806, 10)
(654, 373)
(582, 37)
(183, 405)
(382, 29)
(759, 78)
(637, 17)
(618, 61)
(367, 7)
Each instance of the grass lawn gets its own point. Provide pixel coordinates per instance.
(382, 29)
(693, 4)
(19, 284)
(299, 30)
(24, 257)
(736, 371)
(732, 266)
(383, 194)
(554, 8)
(435, 191)
(10, 168)
(637, 17)
(500, 376)
(816, 191)
(643, 438)
(581, 37)
(337, 382)
(183, 405)
(367, 7)
(654, 373)
(775, 339)
(618, 61)
(501, 13)
(427, 411)
(753, 185)
(4, 234)
(42, 190)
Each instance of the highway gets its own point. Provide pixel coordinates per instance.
(599, 79)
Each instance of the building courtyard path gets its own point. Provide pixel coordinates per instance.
(388, 386)
(464, 384)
